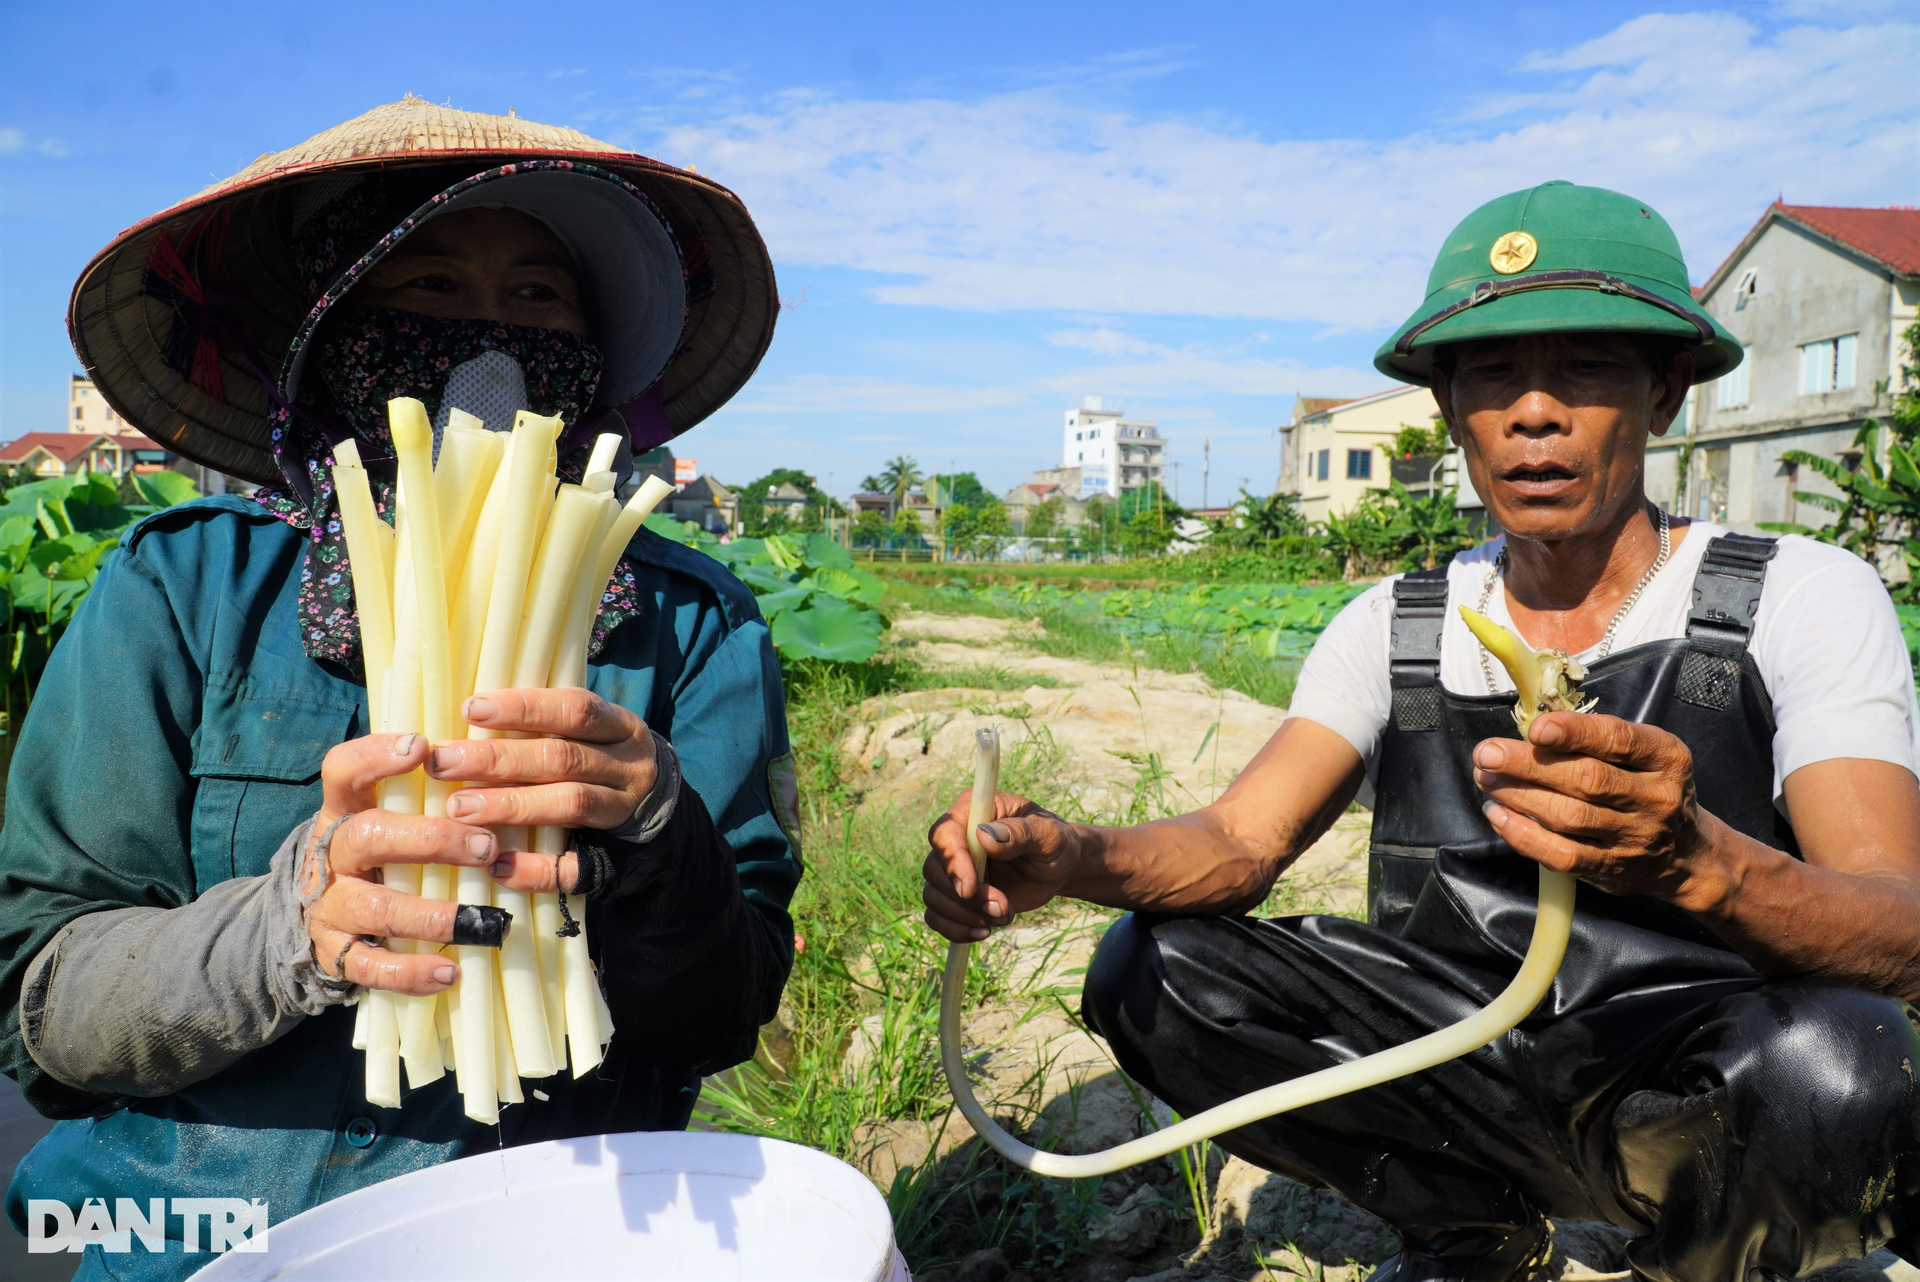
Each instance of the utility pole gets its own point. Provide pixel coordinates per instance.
(1206, 466)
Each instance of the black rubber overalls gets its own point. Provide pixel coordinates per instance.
(1736, 1123)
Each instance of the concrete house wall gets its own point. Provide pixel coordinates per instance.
(1367, 425)
(1785, 287)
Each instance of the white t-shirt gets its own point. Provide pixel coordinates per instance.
(1826, 639)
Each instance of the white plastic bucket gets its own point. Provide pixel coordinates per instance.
(648, 1205)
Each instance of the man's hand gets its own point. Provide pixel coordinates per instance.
(1031, 856)
(1610, 801)
(354, 904)
(591, 768)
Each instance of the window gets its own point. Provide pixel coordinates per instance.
(1325, 457)
(1076, 436)
(1827, 366)
(1731, 387)
(78, 413)
(1359, 465)
(1744, 289)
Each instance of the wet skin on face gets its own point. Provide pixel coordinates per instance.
(480, 264)
(1554, 426)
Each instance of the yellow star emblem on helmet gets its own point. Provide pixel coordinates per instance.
(1513, 252)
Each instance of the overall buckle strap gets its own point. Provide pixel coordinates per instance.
(1419, 610)
(1726, 594)
(1726, 591)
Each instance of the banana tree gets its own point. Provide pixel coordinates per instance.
(1877, 510)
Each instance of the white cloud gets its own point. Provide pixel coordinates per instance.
(1031, 200)
(1137, 370)
(14, 141)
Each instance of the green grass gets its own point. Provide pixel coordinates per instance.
(1079, 632)
(868, 959)
(867, 953)
(1197, 567)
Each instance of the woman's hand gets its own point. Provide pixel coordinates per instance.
(1031, 855)
(353, 904)
(592, 768)
(1610, 801)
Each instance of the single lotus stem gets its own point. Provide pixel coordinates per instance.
(468, 623)
(587, 1025)
(400, 712)
(1544, 680)
(369, 555)
(1552, 927)
(383, 1054)
(462, 476)
(462, 453)
(605, 447)
(986, 782)
(522, 514)
(628, 524)
(372, 589)
(576, 519)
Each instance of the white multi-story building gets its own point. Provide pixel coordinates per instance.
(1112, 454)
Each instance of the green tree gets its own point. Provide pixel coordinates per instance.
(897, 477)
(1258, 524)
(1146, 533)
(990, 526)
(961, 487)
(906, 528)
(1099, 534)
(870, 529)
(1043, 521)
(1419, 442)
(1393, 529)
(1360, 537)
(1426, 528)
(957, 525)
(759, 521)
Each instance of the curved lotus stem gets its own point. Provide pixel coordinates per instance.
(1552, 927)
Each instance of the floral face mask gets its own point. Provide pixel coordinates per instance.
(382, 353)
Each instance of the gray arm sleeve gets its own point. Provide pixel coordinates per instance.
(144, 1001)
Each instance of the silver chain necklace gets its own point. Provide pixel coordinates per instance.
(1613, 626)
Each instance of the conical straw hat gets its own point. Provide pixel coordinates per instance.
(185, 318)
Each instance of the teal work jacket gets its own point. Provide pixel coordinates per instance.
(176, 740)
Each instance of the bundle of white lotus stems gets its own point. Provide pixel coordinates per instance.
(489, 579)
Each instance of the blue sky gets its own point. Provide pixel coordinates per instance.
(982, 212)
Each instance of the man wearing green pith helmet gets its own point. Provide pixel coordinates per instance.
(1725, 1065)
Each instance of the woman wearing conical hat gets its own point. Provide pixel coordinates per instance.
(180, 943)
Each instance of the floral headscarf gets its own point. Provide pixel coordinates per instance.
(366, 358)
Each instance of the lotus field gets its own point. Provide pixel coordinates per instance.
(1276, 620)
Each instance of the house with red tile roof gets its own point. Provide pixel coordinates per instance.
(1821, 297)
(51, 454)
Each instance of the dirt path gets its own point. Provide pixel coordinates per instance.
(1109, 733)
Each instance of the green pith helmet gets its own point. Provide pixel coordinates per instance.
(1558, 259)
